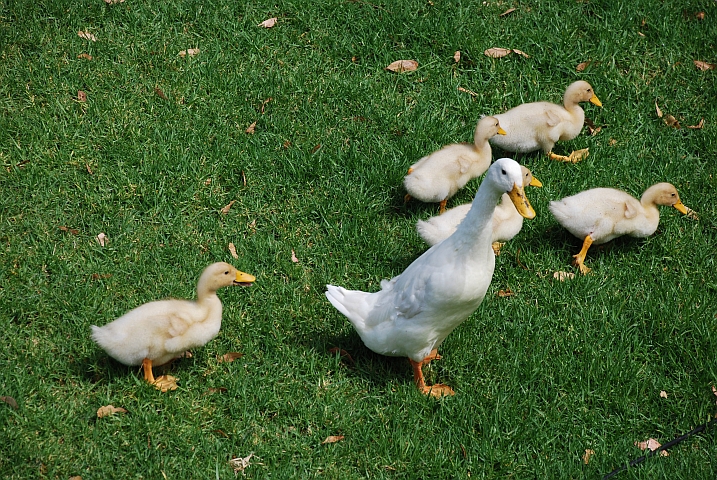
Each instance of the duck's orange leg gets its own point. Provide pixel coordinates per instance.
(580, 257)
(163, 383)
(442, 206)
(437, 390)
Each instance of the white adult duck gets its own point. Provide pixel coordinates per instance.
(415, 311)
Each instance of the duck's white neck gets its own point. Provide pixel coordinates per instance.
(476, 229)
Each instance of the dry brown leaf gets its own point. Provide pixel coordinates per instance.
(586, 456)
(520, 52)
(160, 93)
(10, 401)
(77, 477)
(102, 239)
(562, 276)
(86, 56)
(698, 126)
(316, 149)
(457, 56)
(233, 250)
(89, 170)
(332, 439)
(97, 276)
(293, 257)
(250, 130)
(506, 293)
(592, 129)
(268, 23)
(641, 34)
(663, 394)
(113, 2)
(582, 66)
(510, 10)
(400, 66)
(497, 52)
(691, 213)
(108, 410)
(87, 36)
(218, 390)
(73, 231)
(652, 445)
(704, 65)
(263, 104)
(225, 209)
(659, 112)
(700, 15)
(192, 52)
(229, 357)
(343, 354)
(472, 94)
(239, 463)
(81, 96)
(671, 121)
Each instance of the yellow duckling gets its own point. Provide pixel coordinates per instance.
(158, 332)
(507, 222)
(538, 125)
(415, 311)
(601, 214)
(438, 176)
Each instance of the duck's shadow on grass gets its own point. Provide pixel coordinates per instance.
(359, 361)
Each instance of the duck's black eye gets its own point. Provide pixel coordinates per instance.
(502, 171)
(673, 194)
(226, 273)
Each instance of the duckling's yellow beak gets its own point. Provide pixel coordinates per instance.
(244, 279)
(680, 207)
(501, 131)
(595, 100)
(517, 196)
(535, 183)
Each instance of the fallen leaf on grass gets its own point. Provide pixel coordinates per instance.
(268, 23)
(332, 439)
(401, 66)
(582, 66)
(229, 357)
(86, 56)
(77, 477)
(698, 126)
(704, 65)
(663, 394)
(113, 2)
(700, 15)
(166, 383)
(672, 122)
(457, 56)
(562, 276)
(506, 293)
(89, 170)
(250, 130)
(263, 104)
(217, 390)
(343, 354)
(192, 52)
(87, 36)
(233, 250)
(510, 10)
(586, 456)
(293, 257)
(71, 230)
(592, 129)
(472, 94)
(98, 276)
(315, 149)
(691, 213)
(81, 96)
(225, 209)
(496, 52)
(239, 463)
(657, 109)
(160, 93)
(108, 410)
(102, 239)
(714, 390)
(652, 445)
(10, 401)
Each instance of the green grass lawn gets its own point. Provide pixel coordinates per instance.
(160, 146)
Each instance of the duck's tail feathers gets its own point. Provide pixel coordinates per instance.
(352, 303)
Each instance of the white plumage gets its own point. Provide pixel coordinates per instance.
(415, 311)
